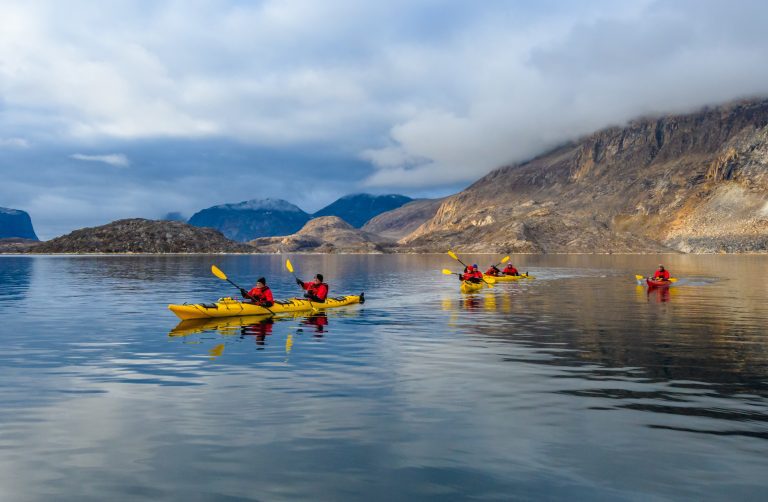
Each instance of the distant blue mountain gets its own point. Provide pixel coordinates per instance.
(16, 223)
(357, 209)
(252, 218)
(174, 216)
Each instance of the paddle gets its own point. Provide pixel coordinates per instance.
(289, 266)
(453, 255)
(641, 278)
(221, 275)
(503, 260)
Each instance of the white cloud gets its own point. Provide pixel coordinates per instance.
(14, 143)
(113, 159)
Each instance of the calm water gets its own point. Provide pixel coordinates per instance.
(576, 385)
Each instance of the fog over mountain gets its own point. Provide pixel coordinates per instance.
(151, 107)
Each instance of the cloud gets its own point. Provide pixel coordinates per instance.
(113, 159)
(14, 143)
(308, 101)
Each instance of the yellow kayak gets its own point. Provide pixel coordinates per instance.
(508, 278)
(229, 307)
(471, 287)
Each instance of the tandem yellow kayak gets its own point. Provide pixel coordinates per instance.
(471, 287)
(508, 278)
(229, 307)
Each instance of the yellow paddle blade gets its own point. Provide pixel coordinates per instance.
(639, 277)
(218, 273)
(489, 279)
(289, 266)
(505, 259)
(217, 351)
(672, 279)
(447, 272)
(453, 255)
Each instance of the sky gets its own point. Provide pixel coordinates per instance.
(141, 108)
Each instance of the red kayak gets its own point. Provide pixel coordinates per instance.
(658, 284)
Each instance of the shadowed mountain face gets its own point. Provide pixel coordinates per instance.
(15, 223)
(251, 219)
(327, 234)
(142, 236)
(358, 208)
(692, 183)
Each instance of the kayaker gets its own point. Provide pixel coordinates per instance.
(661, 274)
(316, 291)
(472, 274)
(260, 294)
(493, 270)
(510, 270)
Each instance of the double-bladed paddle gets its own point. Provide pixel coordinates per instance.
(453, 255)
(221, 275)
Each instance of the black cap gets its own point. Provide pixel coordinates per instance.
(262, 280)
(319, 277)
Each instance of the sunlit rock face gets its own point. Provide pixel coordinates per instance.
(689, 183)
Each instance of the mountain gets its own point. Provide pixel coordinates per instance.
(691, 183)
(174, 216)
(327, 234)
(142, 236)
(398, 223)
(356, 209)
(16, 223)
(251, 219)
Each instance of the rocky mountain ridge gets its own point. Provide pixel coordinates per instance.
(689, 183)
(326, 234)
(142, 236)
(357, 209)
(15, 223)
(246, 220)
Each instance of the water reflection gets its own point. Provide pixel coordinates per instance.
(426, 393)
(15, 277)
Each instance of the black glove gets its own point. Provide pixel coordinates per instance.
(244, 293)
(461, 279)
(298, 281)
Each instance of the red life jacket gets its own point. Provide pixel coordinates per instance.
(262, 296)
(659, 274)
(316, 290)
(510, 270)
(492, 271)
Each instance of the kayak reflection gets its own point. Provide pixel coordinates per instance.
(317, 322)
(659, 295)
(259, 330)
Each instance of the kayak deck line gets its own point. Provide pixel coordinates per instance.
(229, 307)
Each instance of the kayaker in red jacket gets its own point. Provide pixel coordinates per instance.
(316, 291)
(510, 270)
(472, 274)
(260, 294)
(661, 274)
(493, 271)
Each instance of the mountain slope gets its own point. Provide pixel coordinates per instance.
(692, 183)
(142, 236)
(251, 219)
(356, 209)
(15, 223)
(398, 223)
(327, 234)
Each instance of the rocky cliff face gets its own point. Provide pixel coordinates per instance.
(398, 223)
(328, 234)
(251, 219)
(692, 183)
(142, 236)
(357, 209)
(15, 223)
